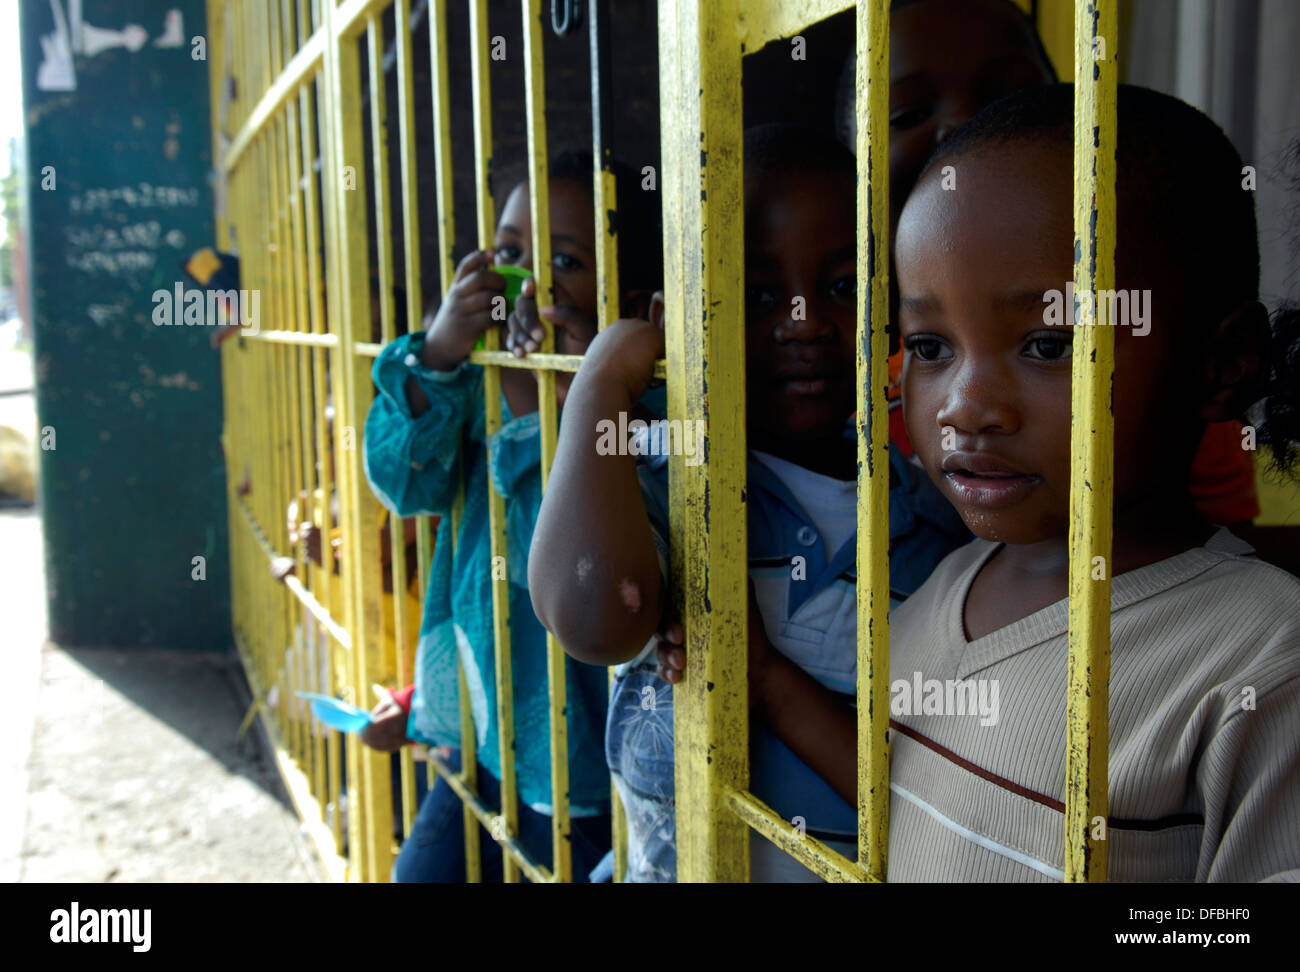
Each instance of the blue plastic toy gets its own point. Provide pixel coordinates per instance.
(336, 713)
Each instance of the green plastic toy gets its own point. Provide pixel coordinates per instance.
(515, 277)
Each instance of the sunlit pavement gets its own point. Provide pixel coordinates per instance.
(125, 765)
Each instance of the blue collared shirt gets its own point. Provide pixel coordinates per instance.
(415, 466)
(811, 617)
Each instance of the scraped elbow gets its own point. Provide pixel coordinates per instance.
(597, 621)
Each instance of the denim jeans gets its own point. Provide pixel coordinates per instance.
(435, 850)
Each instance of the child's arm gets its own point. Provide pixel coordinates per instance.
(427, 395)
(819, 728)
(411, 459)
(386, 730)
(593, 570)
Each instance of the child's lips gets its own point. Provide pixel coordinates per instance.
(978, 479)
(807, 386)
(807, 381)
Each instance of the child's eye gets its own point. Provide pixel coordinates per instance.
(507, 253)
(902, 119)
(563, 261)
(1049, 347)
(845, 288)
(927, 348)
(759, 300)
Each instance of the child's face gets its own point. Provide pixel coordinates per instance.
(573, 258)
(947, 60)
(973, 268)
(800, 306)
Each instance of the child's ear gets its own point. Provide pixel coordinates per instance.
(656, 312)
(635, 303)
(1234, 363)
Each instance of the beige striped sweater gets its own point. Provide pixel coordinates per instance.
(1204, 727)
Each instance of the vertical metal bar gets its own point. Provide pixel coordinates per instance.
(274, 61)
(384, 261)
(700, 130)
(605, 187)
(326, 762)
(411, 255)
(548, 416)
(359, 516)
(1091, 441)
(379, 156)
(439, 45)
(492, 413)
(873, 435)
(300, 363)
(287, 31)
(605, 194)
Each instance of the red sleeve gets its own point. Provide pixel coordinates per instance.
(1223, 476)
(898, 430)
(403, 698)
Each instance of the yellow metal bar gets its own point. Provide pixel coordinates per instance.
(604, 183)
(873, 435)
(406, 148)
(292, 584)
(511, 849)
(379, 154)
(481, 95)
(547, 412)
(405, 635)
(360, 567)
(492, 414)
(301, 69)
(605, 195)
(438, 47)
(764, 21)
(384, 269)
(541, 360)
(809, 851)
(275, 39)
(299, 792)
(218, 46)
(1091, 442)
(700, 131)
(300, 368)
(262, 54)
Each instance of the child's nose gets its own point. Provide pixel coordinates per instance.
(980, 399)
(957, 110)
(803, 322)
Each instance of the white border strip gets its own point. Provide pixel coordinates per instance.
(979, 839)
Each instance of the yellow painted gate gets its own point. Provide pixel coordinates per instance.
(293, 157)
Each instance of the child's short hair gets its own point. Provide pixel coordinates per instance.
(846, 125)
(1184, 180)
(784, 148)
(641, 255)
(1177, 161)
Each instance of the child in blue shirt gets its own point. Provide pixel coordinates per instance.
(424, 436)
(601, 543)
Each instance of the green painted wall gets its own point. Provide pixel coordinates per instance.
(118, 155)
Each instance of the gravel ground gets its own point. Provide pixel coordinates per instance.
(125, 765)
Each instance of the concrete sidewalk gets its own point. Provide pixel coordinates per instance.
(124, 765)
